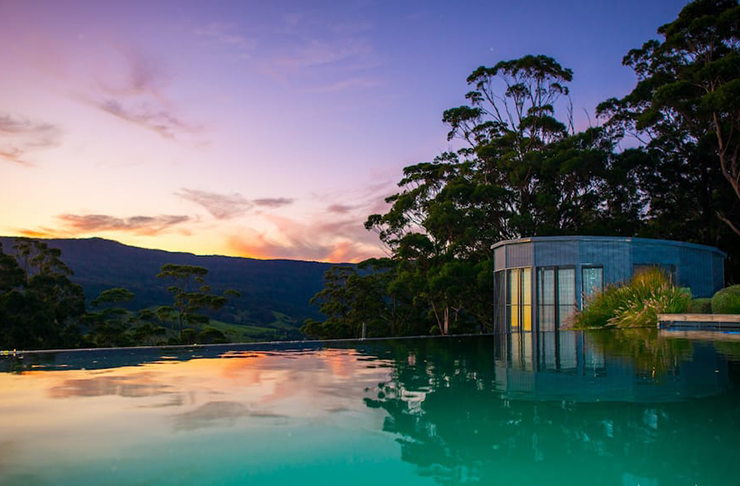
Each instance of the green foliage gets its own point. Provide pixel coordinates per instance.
(684, 111)
(727, 301)
(523, 171)
(39, 305)
(700, 306)
(635, 304)
(191, 295)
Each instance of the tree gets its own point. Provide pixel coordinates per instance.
(522, 172)
(686, 109)
(39, 305)
(190, 295)
(109, 324)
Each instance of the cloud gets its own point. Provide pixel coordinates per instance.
(324, 52)
(340, 208)
(297, 242)
(226, 35)
(139, 225)
(336, 234)
(37, 233)
(19, 136)
(144, 114)
(274, 202)
(351, 83)
(220, 206)
(134, 91)
(228, 206)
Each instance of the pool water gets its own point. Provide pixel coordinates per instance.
(621, 408)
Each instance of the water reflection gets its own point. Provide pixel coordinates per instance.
(565, 408)
(629, 366)
(556, 408)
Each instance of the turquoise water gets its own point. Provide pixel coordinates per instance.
(567, 408)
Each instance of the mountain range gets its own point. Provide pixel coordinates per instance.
(275, 294)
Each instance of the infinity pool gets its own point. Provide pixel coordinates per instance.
(554, 408)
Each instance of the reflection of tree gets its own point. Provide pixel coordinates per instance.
(455, 426)
(648, 351)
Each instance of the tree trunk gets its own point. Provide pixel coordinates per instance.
(447, 321)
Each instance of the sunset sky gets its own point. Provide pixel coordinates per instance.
(267, 129)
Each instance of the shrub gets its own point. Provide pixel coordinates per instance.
(700, 306)
(727, 301)
(635, 304)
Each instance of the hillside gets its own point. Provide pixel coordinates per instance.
(275, 293)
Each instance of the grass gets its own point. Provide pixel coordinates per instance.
(242, 333)
(635, 304)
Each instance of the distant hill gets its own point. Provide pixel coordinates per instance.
(275, 293)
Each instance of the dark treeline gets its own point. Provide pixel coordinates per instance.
(523, 170)
(41, 308)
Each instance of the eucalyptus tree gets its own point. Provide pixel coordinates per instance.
(40, 306)
(109, 322)
(522, 171)
(685, 109)
(191, 295)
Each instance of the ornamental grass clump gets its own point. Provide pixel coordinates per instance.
(635, 304)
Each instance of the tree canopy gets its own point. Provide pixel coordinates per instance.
(524, 170)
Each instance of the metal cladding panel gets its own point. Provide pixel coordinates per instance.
(520, 255)
(695, 271)
(718, 272)
(655, 253)
(614, 256)
(556, 253)
(499, 258)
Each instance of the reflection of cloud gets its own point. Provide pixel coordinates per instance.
(218, 413)
(140, 225)
(136, 385)
(174, 401)
(8, 453)
(19, 136)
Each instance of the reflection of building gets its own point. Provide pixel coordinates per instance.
(569, 365)
(539, 282)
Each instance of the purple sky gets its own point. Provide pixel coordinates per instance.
(265, 129)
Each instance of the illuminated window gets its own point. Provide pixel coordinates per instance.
(519, 299)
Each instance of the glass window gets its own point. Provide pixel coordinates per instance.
(499, 286)
(566, 294)
(527, 299)
(592, 281)
(546, 296)
(514, 296)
